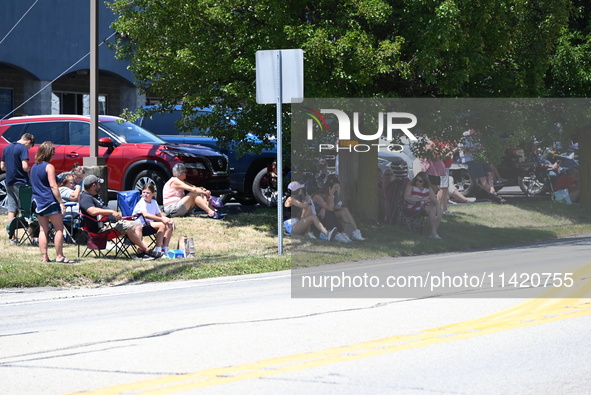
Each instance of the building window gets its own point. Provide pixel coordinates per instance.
(6, 96)
(75, 103)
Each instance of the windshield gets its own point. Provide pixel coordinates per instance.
(127, 132)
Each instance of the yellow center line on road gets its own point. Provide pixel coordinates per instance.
(554, 305)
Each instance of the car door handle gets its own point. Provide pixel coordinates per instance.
(73, 155)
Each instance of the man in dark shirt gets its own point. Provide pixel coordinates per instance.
(15, 162)
(92, 205)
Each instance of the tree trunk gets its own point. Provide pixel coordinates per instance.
(358, 177)
(585, 168)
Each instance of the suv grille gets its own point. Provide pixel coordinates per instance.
(400, 170)
(219, 164)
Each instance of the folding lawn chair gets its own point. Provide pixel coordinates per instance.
(97, 242)
(26, 218)
(69, 223)
(126, 201)
(413, 219)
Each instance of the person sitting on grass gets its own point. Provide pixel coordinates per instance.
(181, 197)
(418, 196)
(332, 213)
(152, 217)
(303, 215)
(92, 205)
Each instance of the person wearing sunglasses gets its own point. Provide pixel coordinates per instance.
(418, 196)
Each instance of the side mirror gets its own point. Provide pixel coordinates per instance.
(105, 142)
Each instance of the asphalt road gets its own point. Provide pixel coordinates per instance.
(247, 334)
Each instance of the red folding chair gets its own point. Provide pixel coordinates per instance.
(97, 242)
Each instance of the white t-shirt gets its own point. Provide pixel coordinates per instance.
(151, 208)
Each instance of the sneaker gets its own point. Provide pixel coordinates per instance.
(437, 237)
(357, 235)
(342, 238)
(331, 233)
(146, 256)
(446, 212)
(451, 202)
(470, 200)
(311, 235)
(13, 242)
(156, 254)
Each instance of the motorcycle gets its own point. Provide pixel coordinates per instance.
(531, 174)
(540, 178)
(513, 166)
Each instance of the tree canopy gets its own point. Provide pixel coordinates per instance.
(202, 52)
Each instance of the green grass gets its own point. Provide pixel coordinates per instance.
(246, 243)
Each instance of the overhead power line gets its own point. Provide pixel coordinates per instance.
(19, 21)
(56, 78)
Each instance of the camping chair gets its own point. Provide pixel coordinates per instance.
(413, 219)
(26, 218)
(69, 219)
(126, 201)
(394, 196)
(97, 242)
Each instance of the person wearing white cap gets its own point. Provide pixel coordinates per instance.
(303, 214)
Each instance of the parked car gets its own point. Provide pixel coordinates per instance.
(248, 171)
(134, 156)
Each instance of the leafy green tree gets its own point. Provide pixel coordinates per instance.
(202, 52)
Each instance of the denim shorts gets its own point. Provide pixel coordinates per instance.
(52, 209)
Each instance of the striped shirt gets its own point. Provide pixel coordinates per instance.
(417, 192)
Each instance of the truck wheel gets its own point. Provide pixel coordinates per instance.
(264, 188)
(155, 177)
(3, 193)
(531, 185)
(463, 183)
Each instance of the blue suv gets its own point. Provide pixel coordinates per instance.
(249, 172)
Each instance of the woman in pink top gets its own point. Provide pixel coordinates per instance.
(180, 197)
(418, 195)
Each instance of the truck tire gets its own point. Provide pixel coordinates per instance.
(463, 183)
(3, 193)
(264, 188)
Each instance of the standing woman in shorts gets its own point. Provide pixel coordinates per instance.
(49, 205)
(437, 175)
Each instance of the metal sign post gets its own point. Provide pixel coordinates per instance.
(280, 79)
(279, 160)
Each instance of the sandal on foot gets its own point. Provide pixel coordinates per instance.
(65, 260)
(216, 215)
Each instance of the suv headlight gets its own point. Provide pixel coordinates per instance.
(199, 166)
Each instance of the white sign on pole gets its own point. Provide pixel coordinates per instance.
(292, 76)
(280, 79)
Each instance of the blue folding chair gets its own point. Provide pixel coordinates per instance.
(126, 201)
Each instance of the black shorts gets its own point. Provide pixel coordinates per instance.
(434, 181)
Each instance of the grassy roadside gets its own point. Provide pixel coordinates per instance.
(246, 243)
